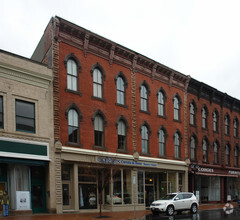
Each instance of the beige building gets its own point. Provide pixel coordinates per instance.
(26, 134)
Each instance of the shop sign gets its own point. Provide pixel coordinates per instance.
(124, 162)
(23, 200)
(234, 172)
(206, 170)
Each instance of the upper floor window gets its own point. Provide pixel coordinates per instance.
(120, 91)
(72, 75)
(144, 98)
(204, 117)
(161, 104)
(1, 112)
(98, 131)
(236, 156)
(73, 126)
(192, 114)
(121, 135)
(216, 152)
(97, 83)
(176, 105)
(177, 145)
(25, 116)
(162, 142)
(227, 155)
(215, 121)
(193, 148)
(205, 150)
(235, 127)
(145, 140)
(227, 124)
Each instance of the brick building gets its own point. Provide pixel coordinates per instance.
(213, 137)
(113, 104)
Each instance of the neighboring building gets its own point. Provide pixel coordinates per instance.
(113, 103)
(26, 134)
(213, 139)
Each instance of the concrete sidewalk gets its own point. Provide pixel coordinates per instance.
(107, 215)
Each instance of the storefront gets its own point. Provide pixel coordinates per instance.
(215, 184)
(23, 166)
(122, 181)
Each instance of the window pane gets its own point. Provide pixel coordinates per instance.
(117, 187)
(1, 112)
(73, 118)
(73, 134)
(127, 187)
(25, 109)
(140, 188)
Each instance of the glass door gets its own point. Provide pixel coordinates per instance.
(87, 196)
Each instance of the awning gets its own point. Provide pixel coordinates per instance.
(217, 174)
(23, 161)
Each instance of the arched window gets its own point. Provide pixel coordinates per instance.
(176, 105)
(192, 114)
(215, 121)
(227, 124)
(205, 150)
(193, 148)
(73, 126)
(121, 135)
(216, 152)
(97, 83)
(144, 135)
(177, 145)
(236, 156)
(162, 142)
(98, 131)
(235, 127)
(161, 104)
(204, 117)
(72, 75)
(120, 91)
(144, 98)
(227, 154)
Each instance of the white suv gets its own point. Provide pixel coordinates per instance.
(175, 202)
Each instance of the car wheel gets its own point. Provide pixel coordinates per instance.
(170, 210)
(194, 208)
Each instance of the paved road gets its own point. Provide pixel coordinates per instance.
(219, 214)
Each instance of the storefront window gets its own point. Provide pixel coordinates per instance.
(127, 187)
(19, 181)
(117, 187)
(140, 188)
(65, 172)
(234, 188)
(171, 182)
(210, 188)
(180, 182)
(162, 184)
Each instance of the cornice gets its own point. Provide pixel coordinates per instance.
(25, 76)
(90, 42)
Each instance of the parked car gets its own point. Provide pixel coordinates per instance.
(175, 202)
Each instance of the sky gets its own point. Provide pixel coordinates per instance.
(200, 38)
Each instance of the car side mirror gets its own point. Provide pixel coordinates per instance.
(176, 199)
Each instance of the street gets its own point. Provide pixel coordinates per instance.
(218, 214)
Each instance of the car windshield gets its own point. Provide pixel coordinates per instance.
(168, 197)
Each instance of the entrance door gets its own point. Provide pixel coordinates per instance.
(38, 190)
(66, 190)
(149, 195)
(2, 189)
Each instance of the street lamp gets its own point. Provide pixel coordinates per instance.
(194, 168)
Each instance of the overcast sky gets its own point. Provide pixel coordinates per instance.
(200, 38)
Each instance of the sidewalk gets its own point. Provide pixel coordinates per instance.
(107, 215)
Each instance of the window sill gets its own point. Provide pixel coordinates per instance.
(99, 148)
(163, 156)
(73, 91)
(146, 112)
(177, 158)
(124, 151)
(99, 99)
(146, 154)
(195, 126)
(179, 121)
(74, 144)
(121, 105)
(162, 116)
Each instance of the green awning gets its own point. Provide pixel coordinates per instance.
(8, 160)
